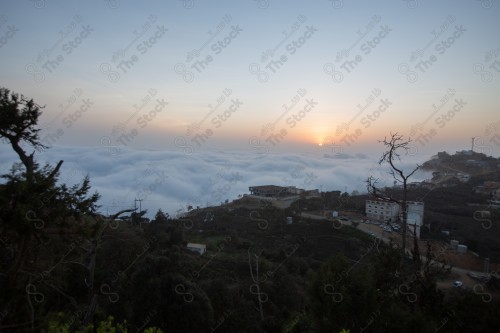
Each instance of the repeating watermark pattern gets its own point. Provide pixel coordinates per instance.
(329, 142)
(146, 191)
(486, 4)
(146, 182)
(479, 289)
(71, 173)
(34, 216)
(333, 289)
(113, 4)
(38, 4)
(417, 61)
(196, 136)
(11, 31)
(337, 4)
(221, 173)
(491, 136)
(404, 289)
(262, 4)
(34, 294)
(347, 64)
(79, 104)
(121, 62)
(424, 137)
(220, 321)
(297, 175)
(219, 192)
(220, 247)
(255, 216)
(450, 315)
(120, 136)
(186, 290)
(344, 127)
(187, 4)
(271, 62)
(484, 217)
(7, 246)
(329, 289)
(419, 127)
(269, 137)
(197, 61)
(196, 127)
(270, 127)
(374, 315)
(220, 184)
(111, 290)
(149, 316)
(373, 108)
(412, 4)
(257, 279)
(46, 274)
(32, 289)
(46, 62)
(490, 66)
(3, 314)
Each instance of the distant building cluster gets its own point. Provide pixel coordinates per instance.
(274, 191)
(489, 188)
(391, 212)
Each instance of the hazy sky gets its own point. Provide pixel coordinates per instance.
(257, 77)
(250, 60)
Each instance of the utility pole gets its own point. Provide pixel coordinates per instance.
(473, 139)
(140, 204)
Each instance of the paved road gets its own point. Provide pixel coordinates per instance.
(383, 235)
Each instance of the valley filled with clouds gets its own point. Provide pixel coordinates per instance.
(173, 181)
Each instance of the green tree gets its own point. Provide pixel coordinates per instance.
(342, 296)
(41, 221)
(161, 217)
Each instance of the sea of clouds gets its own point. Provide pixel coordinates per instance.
(173, 181)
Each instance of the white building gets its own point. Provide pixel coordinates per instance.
(415, 215)
(200, 248)
(384, 211)
(381, 210)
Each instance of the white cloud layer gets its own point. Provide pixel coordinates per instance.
(174, 180)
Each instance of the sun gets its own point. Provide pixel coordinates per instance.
(320, 144)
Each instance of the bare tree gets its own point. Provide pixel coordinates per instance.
(396, 146)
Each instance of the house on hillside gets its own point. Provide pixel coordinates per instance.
(479, 164)
(489, 187)
(199, 248)
(312, 194)
(463, 177)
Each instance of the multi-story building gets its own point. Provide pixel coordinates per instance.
(390, 211)
(381, 210)
(415, 216)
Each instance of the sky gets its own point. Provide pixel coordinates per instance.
(263, 86)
